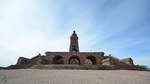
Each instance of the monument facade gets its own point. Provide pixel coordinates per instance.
(74, 56)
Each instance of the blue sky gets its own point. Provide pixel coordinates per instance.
(117, 27)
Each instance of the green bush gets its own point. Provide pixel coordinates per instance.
(142, 67)
(1, 67)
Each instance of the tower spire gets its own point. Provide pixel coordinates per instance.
(74, 47)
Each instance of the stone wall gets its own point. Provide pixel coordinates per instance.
(95, 57)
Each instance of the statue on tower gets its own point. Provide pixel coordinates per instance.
(74, 43)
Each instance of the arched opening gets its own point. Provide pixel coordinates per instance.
(58, 60)
(92, 59)
(74, 60)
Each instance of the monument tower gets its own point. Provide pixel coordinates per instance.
(74, 47)
(74, 56)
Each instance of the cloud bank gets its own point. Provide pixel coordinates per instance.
(30, 27)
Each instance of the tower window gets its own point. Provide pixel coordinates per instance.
(74, 48)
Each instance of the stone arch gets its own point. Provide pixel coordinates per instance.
(74, 60)
(91, 59)
(58, 60)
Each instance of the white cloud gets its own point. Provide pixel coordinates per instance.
(29, 27)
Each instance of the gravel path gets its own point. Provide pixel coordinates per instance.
(37, 76)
